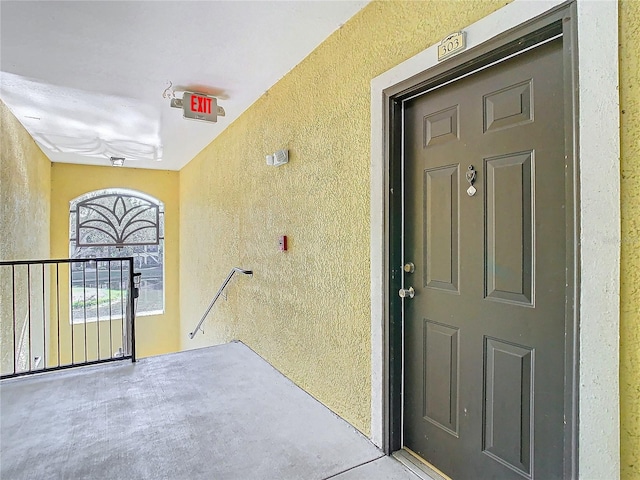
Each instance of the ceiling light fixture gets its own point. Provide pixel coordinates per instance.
(116, 161)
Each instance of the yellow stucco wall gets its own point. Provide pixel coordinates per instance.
(25, 199)
(630, 263)
(25, 177)
(307, 311)
(155, 334)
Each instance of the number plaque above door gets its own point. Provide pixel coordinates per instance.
(452, 44)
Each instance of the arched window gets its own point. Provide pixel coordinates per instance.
(116, 222)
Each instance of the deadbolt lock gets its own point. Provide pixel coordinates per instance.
(407, 292)
(409, 267)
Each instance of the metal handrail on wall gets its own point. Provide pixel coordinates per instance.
(220, 290)
(64, 313)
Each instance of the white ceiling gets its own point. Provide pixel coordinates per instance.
(86, 78)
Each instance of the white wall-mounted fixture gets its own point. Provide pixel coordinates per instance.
(278, 158)
(116, 161)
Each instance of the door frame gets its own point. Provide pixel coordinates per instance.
(591, 44)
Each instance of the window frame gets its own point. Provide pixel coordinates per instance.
(119, 240)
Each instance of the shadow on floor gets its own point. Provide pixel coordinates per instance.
(217, 413)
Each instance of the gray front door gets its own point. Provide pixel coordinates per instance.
(484, 357)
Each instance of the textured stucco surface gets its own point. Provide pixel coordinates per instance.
(25, 195)
(307, 311)
(155, 334)
(630, 262)
(25, 200)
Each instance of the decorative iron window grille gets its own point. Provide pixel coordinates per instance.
(117, 219)
(115, 223)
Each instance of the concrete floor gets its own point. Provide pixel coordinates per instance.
(218, 413)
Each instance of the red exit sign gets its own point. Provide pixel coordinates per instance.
(200, 107)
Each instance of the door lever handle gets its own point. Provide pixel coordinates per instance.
(407, 292)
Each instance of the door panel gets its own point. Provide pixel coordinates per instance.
(484, 336)
(441, 228)
(441, 376)
(508, 401)
(441, 127)
(509, 243)
(508, 107)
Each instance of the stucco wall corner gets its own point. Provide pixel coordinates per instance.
(25, 208)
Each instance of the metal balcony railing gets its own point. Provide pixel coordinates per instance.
(57, 314)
